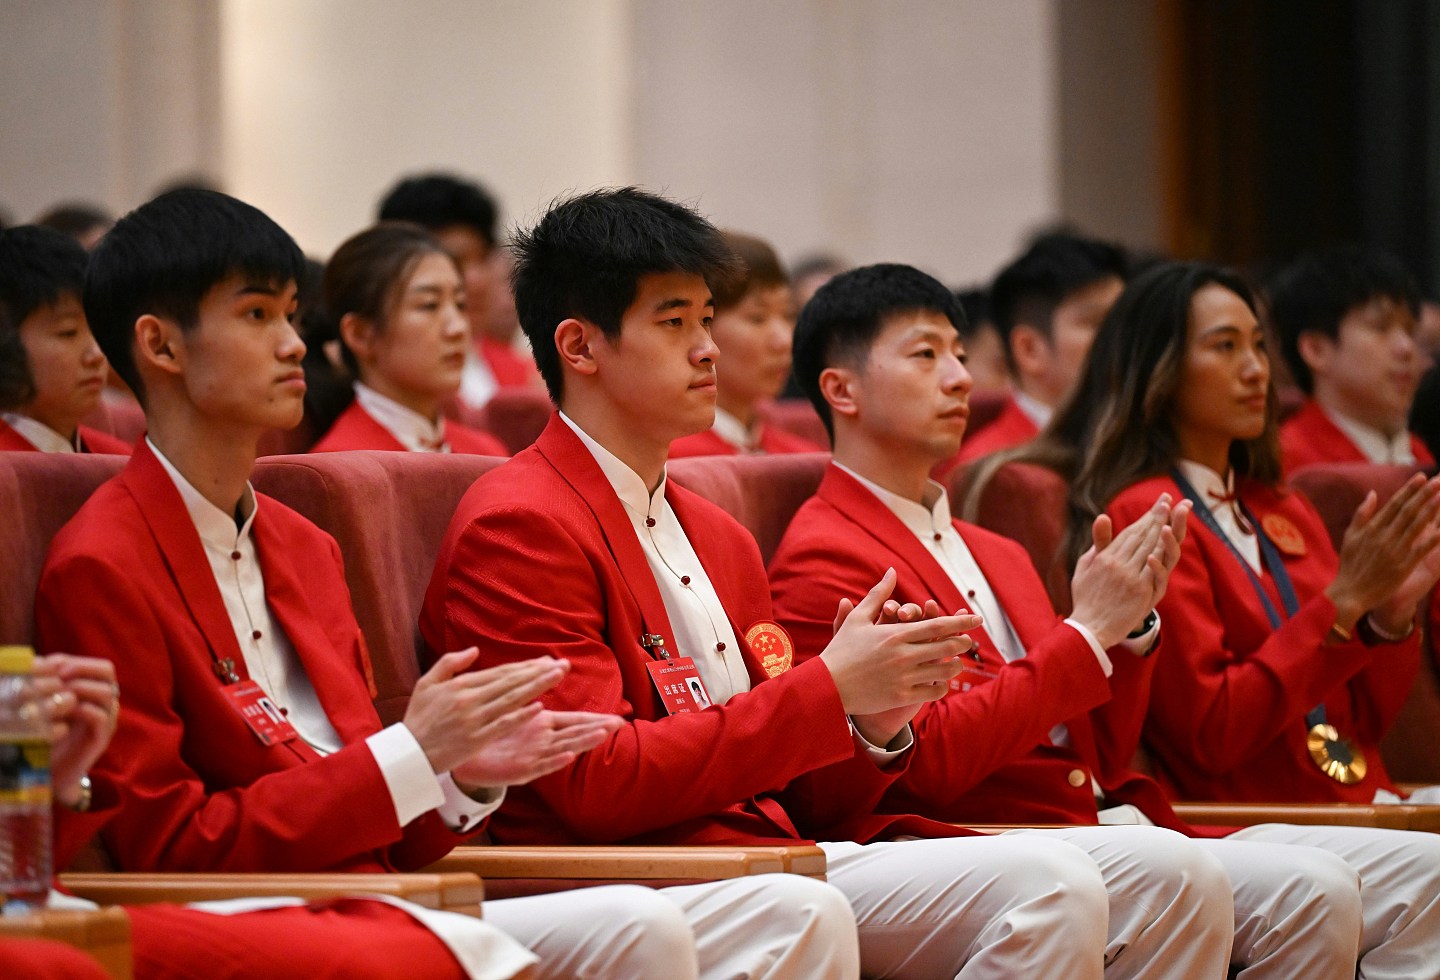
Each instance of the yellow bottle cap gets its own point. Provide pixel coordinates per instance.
(17, 660)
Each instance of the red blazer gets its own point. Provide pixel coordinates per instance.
(357, 429)
(1230, 694)
(983, 753)
(1309, 437)
(541, 558)
(772, 441)
(1010, 428)
(91, 441)
(127, 579)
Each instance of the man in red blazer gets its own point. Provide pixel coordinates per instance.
(580, 545)
(51, 370)
(1046, 305)
(350, 936)
(1347, 317)
(1014, 740)
(247, 740)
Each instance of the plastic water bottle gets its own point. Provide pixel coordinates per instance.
(25, 833)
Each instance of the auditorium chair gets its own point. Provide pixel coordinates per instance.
(797, 417)
(985, 407)
(515, 416)
(1409, 747)
(118, 415)
(388, 512)
(1028, 504)
(40, 492)
(761, 492)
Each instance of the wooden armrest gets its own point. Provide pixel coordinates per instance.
(454, 892)
(102, 933)
(1335, 814)
(512, 871)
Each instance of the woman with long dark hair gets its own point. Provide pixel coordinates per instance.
(396, 298)
(1281, 663)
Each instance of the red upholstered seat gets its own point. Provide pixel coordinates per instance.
(388, 512)
(1336, 489)
(985, 407)
(515, 416)
(761, 492)
(797, 417)
(39, 493)
(1026, 503)
(120, 417)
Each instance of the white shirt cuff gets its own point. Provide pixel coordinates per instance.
(1095, 646)
(882, 757)
(463, 813)
(414, 788)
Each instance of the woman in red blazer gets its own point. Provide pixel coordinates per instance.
(753, 327)
(1280, 664)
(398, 302)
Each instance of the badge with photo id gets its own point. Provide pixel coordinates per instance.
(678, 682)
(263, 715)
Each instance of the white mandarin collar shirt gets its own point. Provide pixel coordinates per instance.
(272, 662)
(1037, 411)
(1213, 489)
(735, 432)
(414, 431)
(40, 435)
(1376, 445)
(702, 629)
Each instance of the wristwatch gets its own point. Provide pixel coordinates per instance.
(1149, 624)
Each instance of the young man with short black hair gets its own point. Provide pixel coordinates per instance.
(212, 600)
(1347, 318)
(1046, 306)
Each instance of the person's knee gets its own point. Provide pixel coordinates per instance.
(650, 929)
(1181, 866)
(803, 906)
(1056, 872)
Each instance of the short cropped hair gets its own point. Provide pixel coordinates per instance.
(1057, 264)
(587, 255)
(163, 257)
(840, 323)
(761, 269)
(1313, 294)
(38, 267)
(437, 201)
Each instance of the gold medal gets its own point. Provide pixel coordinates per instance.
(1337, 757)
(772, 645)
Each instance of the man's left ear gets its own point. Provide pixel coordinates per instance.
(574, 342)
(837, 387)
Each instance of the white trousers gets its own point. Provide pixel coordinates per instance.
(765, 926)
(1399, 874)
(1035, 904)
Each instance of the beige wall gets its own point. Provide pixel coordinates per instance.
(926, 131)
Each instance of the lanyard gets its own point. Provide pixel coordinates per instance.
(1269, 557)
